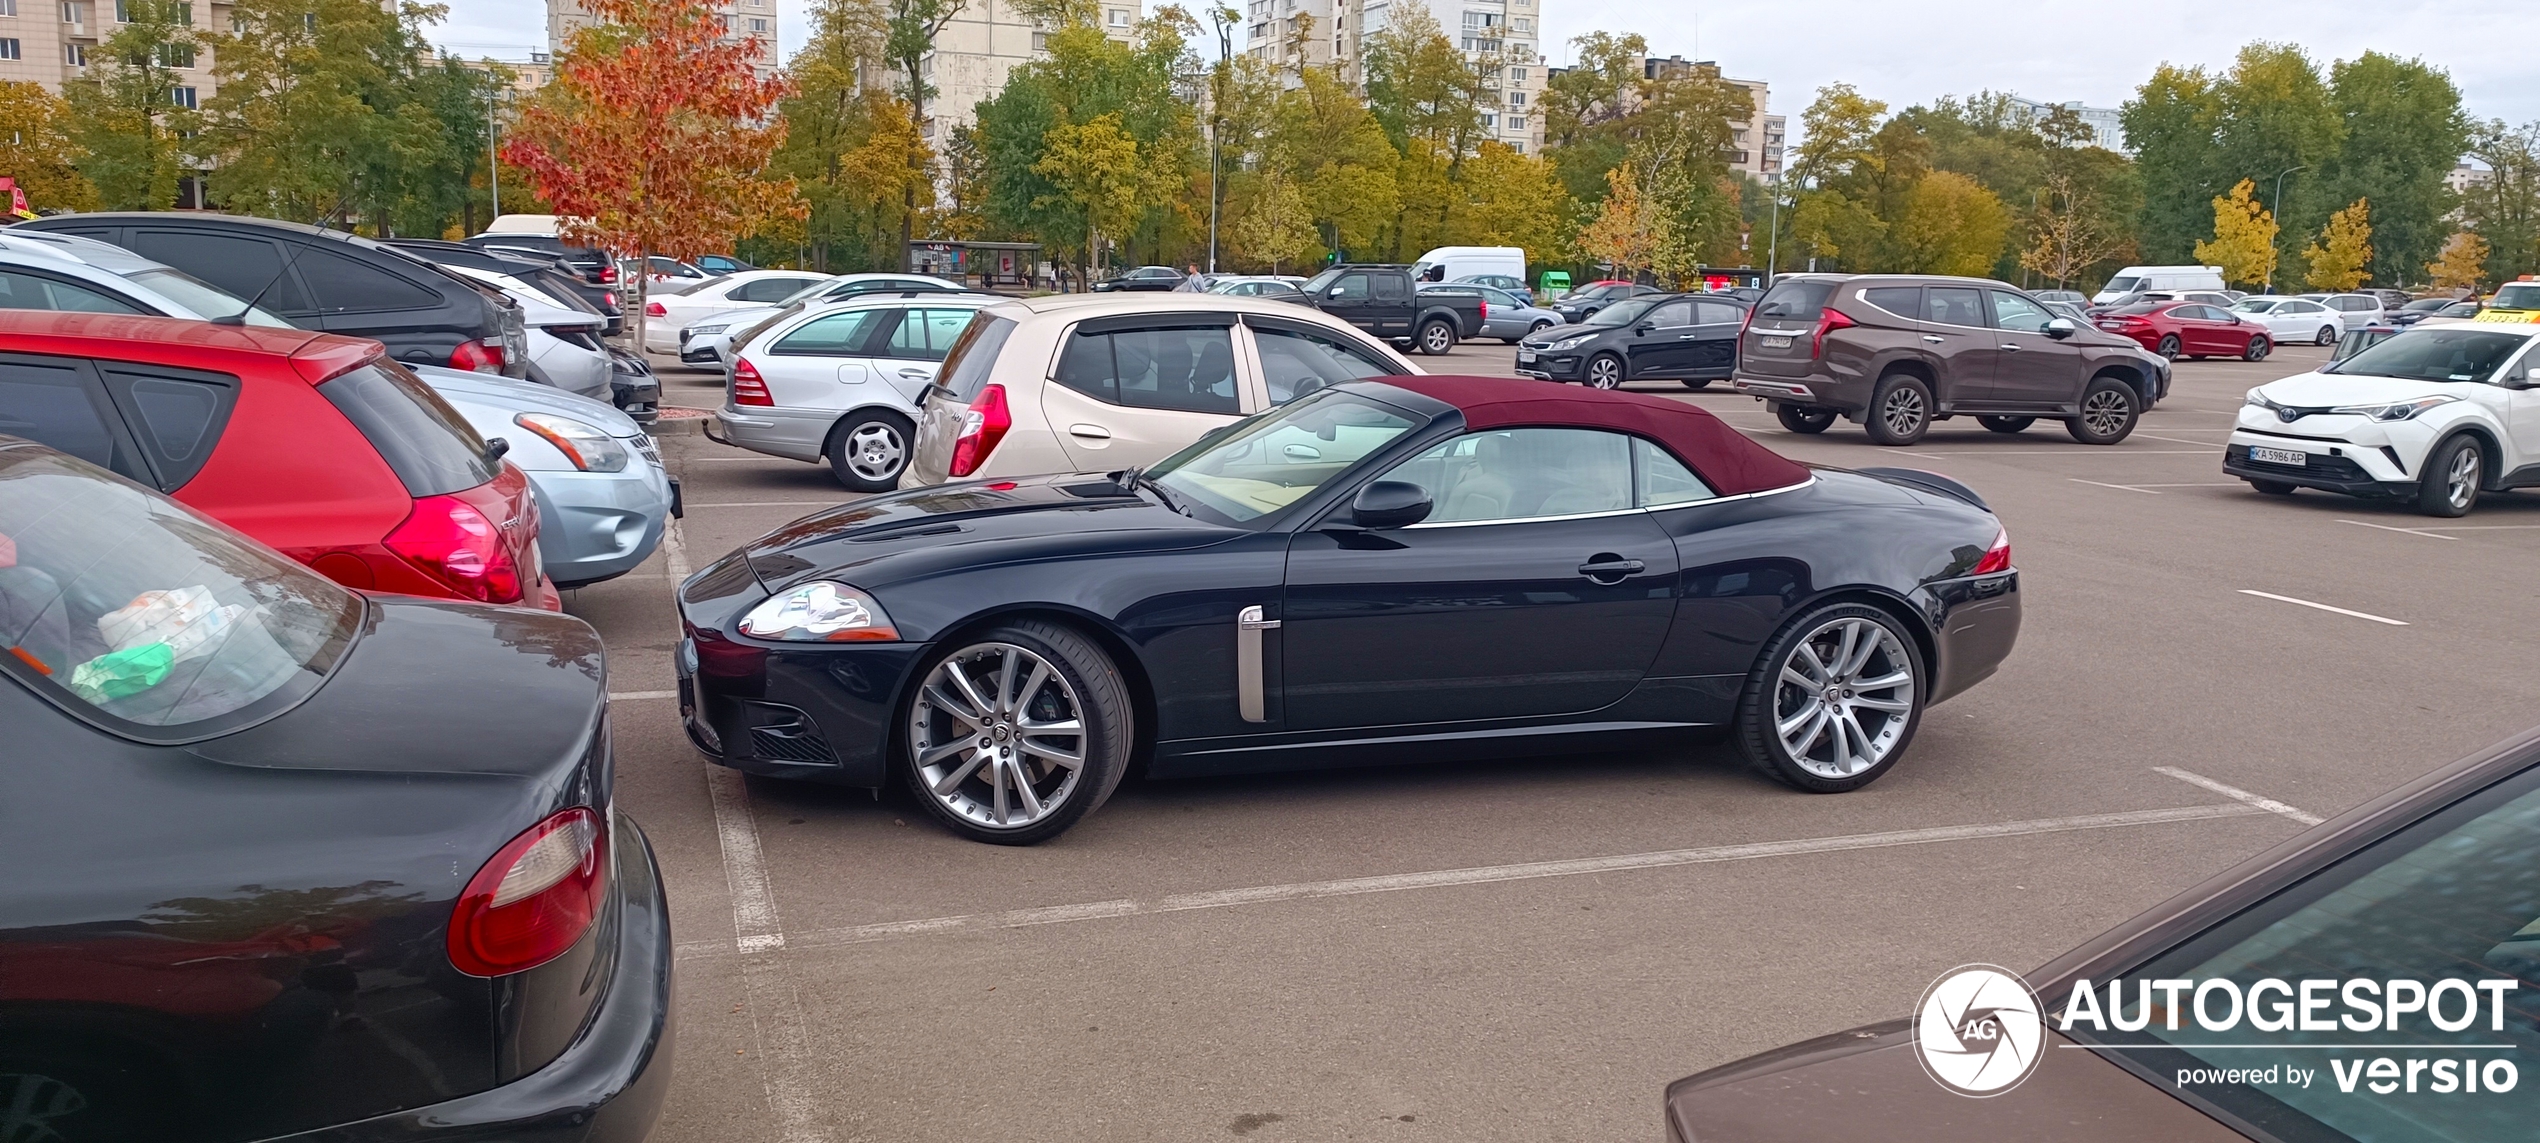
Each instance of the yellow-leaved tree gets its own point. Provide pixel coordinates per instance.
(1275, 226)
(1950, 225)
(1629, 229)
(1097, 169)
(36, 150)
(2463, 264)
(2342, 256)
(2244, 237)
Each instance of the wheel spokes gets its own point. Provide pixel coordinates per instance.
(953, 780)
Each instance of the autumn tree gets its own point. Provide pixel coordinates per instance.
(1096, 167)
(2341, 258)
(1949, 225)
(36, 150)
(1507, 198)
(2463, 264)
(2067, 233)
(908, 38)
(653, 135)
(124, 115)
(1629, 231)
(1841, 170)
(848, 144)
(1274, 227)
(2244, 237)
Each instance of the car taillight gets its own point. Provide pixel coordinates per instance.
(1998, 557)
(1485, 309)
(1828, 321)
(654, 309)
(449, 540)
(534, 898)
(608, 273)
(748, 388)
(608, 298)
(478, 357)
(983, 424)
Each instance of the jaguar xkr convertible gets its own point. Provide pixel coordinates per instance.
(1382, 571)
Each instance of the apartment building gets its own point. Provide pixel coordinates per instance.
(1755, 143)
(2107, 129)
(50, 42)
(985, 41)
(751, 20)
(1503, 37)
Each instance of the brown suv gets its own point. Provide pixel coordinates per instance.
(1896, 352)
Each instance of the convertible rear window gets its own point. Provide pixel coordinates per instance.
(132, 611)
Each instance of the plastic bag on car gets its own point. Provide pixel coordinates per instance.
(187, 619)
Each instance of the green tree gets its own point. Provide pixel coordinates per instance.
(124, 115)
(1582, 105)
(36, 150)
(1343, 164)
(2170, 125)
(1096, 167)
(2244, 237)
(1839, 169)
(2342, 256)
(1511, 199)
(1950, 224)
(1274, 228)
(2504, 208)
(2403, 131)
(909, 28)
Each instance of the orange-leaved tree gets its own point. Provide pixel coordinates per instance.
(653, 137)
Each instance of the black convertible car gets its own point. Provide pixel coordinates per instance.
(1382, 571)
(286, 860)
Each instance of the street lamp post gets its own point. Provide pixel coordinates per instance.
(1224, 17)
(493, 161)
(1773, 244)
(2277, 209)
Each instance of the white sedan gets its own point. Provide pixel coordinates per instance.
(665, 313)
(839, 382)
(708, 342)
(2291, 321)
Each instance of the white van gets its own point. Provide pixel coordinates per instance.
(538, 225)
(2136, 279)
(1456, 263)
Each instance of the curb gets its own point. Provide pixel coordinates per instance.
(693, 424)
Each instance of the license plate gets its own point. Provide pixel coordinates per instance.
(1525, 355)
(2111, 325)
(1776, 342)
(2295, 457)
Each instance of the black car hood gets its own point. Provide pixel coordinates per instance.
(928, 529)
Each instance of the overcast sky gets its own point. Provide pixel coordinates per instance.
(1907, 53)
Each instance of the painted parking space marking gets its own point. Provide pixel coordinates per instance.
(2118, 487)
(2175, 440)
(2409, 531)
(2237, 794)
(634, 696)
(2324, 607)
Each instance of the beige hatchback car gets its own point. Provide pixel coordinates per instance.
(1092, 383)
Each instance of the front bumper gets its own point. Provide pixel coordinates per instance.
(1568, 365)
(795, 434)
(609, 1085)
(599, 525)
(2355, 455)
(821, 713)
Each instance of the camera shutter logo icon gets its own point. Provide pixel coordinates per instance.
(1978, 1031)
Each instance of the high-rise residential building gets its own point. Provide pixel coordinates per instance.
(985, 40)
(2106, 128)
(1755, 143)
(1501, 36)
(50, 42)
(752, 20)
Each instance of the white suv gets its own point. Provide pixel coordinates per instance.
(1093, 383)
(2434, 414)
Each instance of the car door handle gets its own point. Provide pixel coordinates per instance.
(1608, 566)
(2012, 348)
(1934, 338)
(914, 372)
(1089, 432)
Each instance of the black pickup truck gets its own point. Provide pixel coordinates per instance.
(1383, 301)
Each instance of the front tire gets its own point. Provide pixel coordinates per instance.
(2006, 424)
(1017, 733)
(1696, 383)
(2452, 475)
(1834, 700)
(1605, 371)
(1900, 410)
(1436, 338)
(2271, 487)
(2109, 410)
(1807, 419)
(868, 450)
(2257, 350)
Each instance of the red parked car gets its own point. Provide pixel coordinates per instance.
(2192, 330)
(318, 445)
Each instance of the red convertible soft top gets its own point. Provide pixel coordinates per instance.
(1724, 459)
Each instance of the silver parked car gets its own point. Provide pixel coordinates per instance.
(1507, 316)
(840, 383)
(708, 340)
(601, 489)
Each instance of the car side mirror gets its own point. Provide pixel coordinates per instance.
(1390, 504)
(1336, 292)
(2530, 379)
(1644, 328)
(2060, 328)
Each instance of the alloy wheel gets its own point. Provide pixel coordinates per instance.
(1605, 373)
(876, 452)
(2460, 481)
(1437, 339)
(1903, 411)
(1844, 697)
(2104, 412)
(2170, 348)
(2328, 335)
(998, 736)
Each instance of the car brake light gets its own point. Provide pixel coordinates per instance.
(1828, 321)
(534, 898)
(448, 539)
(748, 388)
(609, 298)
(1998, 557)
(1485, 309)
(653, 309)
(477, 357)
(982, 426)
(608, 273)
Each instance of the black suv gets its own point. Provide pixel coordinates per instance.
(326, 280)
(1896, 352)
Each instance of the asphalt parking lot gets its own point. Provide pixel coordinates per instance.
(1530, 950)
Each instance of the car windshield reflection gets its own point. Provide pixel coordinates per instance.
(1274, 459)
(2450, 355)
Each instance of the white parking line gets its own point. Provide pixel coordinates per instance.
(2388, 528)
(2324, 607)
(2235, 793)
(2118, 487)
(2175, 440)
(2488, 527)
(2049, 452)
(2191, 484)
(1477, 875)
(631, 696)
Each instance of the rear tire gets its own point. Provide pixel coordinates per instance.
(1605, 371)
(2452, 474)
(2109, 410)
(1807, 419)
(1436, 338)
(1031, 676)
(2006, 424)
(1900, 410)
(869, 449)
(2327, 336)
(1840, 735)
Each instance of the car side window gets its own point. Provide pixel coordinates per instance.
(2018, 314)
(925, 335)
(1954, 305)
(1350, 288)
(52, 403)
(829, 335)
(1662, 481)
(30, 292)
(176, 420)
(249, 267)
(1519, 474)
(1720, 313)
(1295, 364)
(1667, 315)
(1188, 370)
(343, 285)
(1898, 300)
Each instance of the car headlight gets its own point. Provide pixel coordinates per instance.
(821, 611)
(1570, 343)
(586, 446)
(2258, 399)
(2395, 411)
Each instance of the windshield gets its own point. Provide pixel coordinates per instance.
(2452, 354)
(1275, 458)
(1319, 282)
(126, 606)
(2257, 305)
(2517, 296)
(2426, 305)
(1621, 313)
(202, 297)
(2122, 284)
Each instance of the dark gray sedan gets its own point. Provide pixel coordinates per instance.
(1509, 316)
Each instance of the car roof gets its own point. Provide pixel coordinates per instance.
(314, 357)
(1725, 459)
(896, 297)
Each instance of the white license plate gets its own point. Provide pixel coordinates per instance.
(2292, 456)
(1525, 355)
(1772, 341)
(2111, 325)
